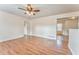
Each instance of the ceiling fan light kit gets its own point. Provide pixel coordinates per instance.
(28, 9)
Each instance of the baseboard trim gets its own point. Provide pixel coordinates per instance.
(2, 40)
(52, 38)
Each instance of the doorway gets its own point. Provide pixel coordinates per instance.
(25, 28)
(63, 27)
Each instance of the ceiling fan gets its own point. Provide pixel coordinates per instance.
(28, 9)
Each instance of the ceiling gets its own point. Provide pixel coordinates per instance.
(45, 9)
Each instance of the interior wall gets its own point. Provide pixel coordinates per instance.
(11, 26)
(46, 26)
(74, 41)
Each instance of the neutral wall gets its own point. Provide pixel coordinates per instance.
(11, 26)
(74, 41)
(46, 26)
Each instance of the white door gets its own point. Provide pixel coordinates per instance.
(25, 28)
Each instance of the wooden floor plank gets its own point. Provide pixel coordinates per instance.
(31, 45)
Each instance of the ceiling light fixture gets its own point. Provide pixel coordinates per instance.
(28, 9)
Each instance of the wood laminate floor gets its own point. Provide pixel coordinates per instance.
(30, 45)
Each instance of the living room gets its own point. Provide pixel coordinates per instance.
(38, 33)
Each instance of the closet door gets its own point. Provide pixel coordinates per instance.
(25, 29)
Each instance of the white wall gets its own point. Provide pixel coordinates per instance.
(46, 26)
(11, 26)
(74, 41)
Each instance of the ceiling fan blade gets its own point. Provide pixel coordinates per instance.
(28, 4)
(36, 10)
(22, 9)
(29, 9)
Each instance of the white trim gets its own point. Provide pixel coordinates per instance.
(52, 38)
(2, 40)
(70, 49)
